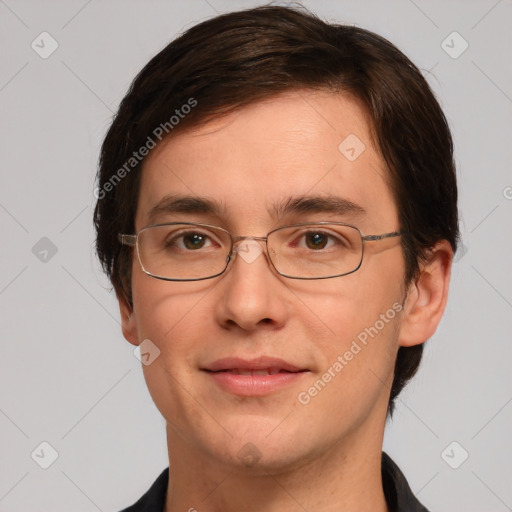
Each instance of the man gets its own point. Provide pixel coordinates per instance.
(277, 214)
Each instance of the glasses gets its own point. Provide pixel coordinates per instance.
(187, 251)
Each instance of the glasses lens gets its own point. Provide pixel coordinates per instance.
(183, 251)
(316, 251)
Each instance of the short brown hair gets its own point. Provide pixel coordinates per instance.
(242, 57)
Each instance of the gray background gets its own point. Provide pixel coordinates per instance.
(68, 377)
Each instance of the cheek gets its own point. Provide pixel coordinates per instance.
(165, 309)
(173, 317)
(363, 330)
(360, 315)
(346, 306)
(357, 361)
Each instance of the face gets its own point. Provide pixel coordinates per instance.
(341, 333)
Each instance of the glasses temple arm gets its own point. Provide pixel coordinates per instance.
(369, 238)
(127, 239)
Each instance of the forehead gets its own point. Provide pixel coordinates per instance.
(249, 162)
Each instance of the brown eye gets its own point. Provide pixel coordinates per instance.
(194, 241)
(316, 240)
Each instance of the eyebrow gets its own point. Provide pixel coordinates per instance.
(185, 204)
(317, 204)
(293, 205)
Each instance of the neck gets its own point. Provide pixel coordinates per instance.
(347, 477)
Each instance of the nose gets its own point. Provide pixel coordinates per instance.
(252, 295)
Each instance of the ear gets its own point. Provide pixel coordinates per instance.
(426, 297)
(128, 321)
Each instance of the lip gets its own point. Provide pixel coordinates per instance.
(259, 363)
(226, 373)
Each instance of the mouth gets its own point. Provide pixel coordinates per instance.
(248, 371)
(254, 377)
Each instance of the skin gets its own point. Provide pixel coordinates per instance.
(324, 455)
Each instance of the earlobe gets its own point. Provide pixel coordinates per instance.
(426, 297)
(128, 320)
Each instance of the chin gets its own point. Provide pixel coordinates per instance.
(261, 448)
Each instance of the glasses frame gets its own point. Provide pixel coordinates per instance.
(132, 241)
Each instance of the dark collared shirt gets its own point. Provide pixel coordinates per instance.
(399, 496)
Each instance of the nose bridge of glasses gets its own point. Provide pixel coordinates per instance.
(249, 247)
(241, 238)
